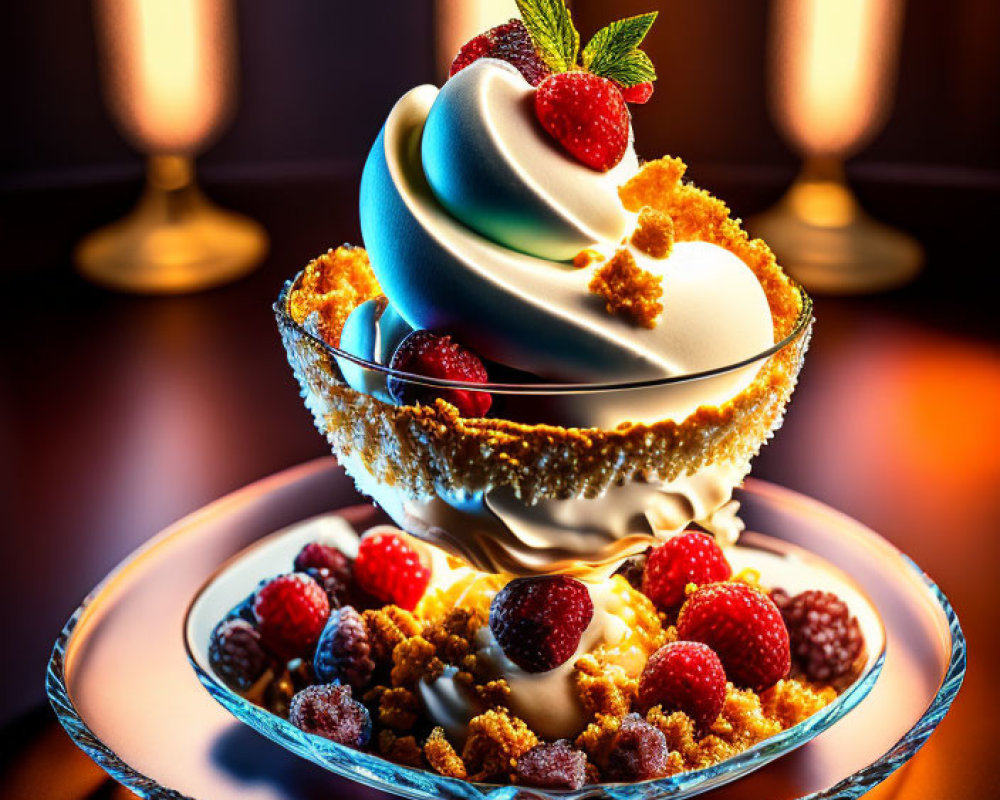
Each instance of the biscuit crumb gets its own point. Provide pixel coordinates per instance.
(629, 291)
(387, 627)
(650, 185)
(401, 749)
(654, 234)
(586, 257)
(442, 756)
(496, 739)
(398, 708)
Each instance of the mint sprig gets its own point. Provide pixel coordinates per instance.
(613, 51)
(552, 31)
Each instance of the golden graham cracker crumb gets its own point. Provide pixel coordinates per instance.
(586, 257)
(400, 749)
(655, 180)
(496, 739)
(654, 234)
(387, 627)
(398, 708)
(629, 291)
(442, 756)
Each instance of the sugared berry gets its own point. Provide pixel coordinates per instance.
(236, 654)
(638, 94)
(426, 353)
(638, 753)
(743, 626)
(391, 570)
(552, 765)
(291, 611)
(321, 556)
(343, 652)
(825, 638)
(509, 42)
(538, 622)
(331, 712)
(684, 676)
(632, 569)
(692, 557)
(587, 115)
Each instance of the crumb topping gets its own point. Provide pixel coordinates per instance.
(496, 739)
(654, 234)
(628, 290)
(586, 257)
(442, 756)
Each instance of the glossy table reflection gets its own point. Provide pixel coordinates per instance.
(124, 414)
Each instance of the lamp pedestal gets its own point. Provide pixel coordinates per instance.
(824, 239)
(174, 240)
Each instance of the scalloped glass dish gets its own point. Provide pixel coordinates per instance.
(779, 564)
(117, 638)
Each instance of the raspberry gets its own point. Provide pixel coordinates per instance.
(538, 622)
(426, 353)
(509, 42)
(331, 712)
(693, 557)
(743, 626)
(638, 94)
(343, 652)
(587, 115)
(322, 556)
(638, 752)
(236, 654)
(825, 639)
(632, 569)
(555, 765)
(291, 611)
(390, 569)
(684, 676)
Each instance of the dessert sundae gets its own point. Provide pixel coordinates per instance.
(550, 365)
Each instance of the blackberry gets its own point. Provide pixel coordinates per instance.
(343, 654)
(236, 654)
(330, 711)
(555, 765)
(825, 638)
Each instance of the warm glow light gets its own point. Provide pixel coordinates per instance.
(169, 69)
(833, 70)
(457, 21)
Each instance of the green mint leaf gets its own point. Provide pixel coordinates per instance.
(615, 41)
(552, 31)
(632, 68)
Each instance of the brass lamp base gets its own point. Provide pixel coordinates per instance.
(824, 239)
(175, 240)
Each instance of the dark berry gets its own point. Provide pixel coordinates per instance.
(538, 622)
(684, 676)
(426, 353)
(236, 654)
(638, 753)
(555, 765)
(632, 569)
(343, 652)
(291, 611)
(692, 557)
(509, 42)
(743, 626)
(321, 556)
(825, 638)
(330, 711)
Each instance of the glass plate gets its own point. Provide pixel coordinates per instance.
(119, 681)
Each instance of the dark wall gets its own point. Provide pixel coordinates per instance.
(319, 75)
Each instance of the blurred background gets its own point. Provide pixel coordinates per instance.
(120, 413)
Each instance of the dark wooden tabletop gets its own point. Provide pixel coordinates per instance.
(120, 414)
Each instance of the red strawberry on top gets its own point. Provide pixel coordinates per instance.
(509, 42)
(390, 569)
(587, 115)
(684, 676)
(426, 353)
(692, 557)
(638, 94)
(291, 611)
(743, 626)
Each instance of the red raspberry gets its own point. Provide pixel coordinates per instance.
(638, 752)
(321, 556)
(692, 557)
(684, 676)
(538, 622)
(743, 626)
(291, 611)
(509, 42)
(638, 94)
(552, 765)
(426, 353)
(587, 115)
(825, 638)
(390, 569)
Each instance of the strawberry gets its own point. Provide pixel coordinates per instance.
(509, 42)
(638, 94)
(587, 115)
(426, 353)
(291, 611)
(744, 627)
(684, 676)
(692, 557)
(390, 569)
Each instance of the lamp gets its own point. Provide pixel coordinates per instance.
(833, 65)
(169, 79)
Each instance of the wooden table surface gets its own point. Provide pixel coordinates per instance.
(122, 414)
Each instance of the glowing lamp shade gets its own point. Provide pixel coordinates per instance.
(169, 77)
(833, 70)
